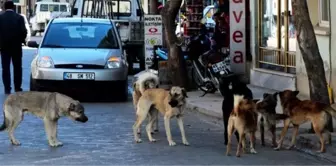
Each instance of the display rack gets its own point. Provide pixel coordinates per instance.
(194, 14)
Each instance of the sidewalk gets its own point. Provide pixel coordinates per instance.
(210, 107)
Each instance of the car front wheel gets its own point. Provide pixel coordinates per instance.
(123, 91)
(33, 86)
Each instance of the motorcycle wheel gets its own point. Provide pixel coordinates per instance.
(205, 87)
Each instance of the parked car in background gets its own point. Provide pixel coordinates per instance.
(80, 54)
(27, 27)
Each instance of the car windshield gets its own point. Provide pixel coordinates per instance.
(80, 35)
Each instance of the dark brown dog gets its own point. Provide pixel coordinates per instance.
(302, 111)
(266, 108)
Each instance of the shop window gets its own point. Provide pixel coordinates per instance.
(324, 12)
(277, 36)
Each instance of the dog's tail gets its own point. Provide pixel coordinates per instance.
(147, 77)
(281, 116)
(4, 125)
(331, 110)
(237, 99)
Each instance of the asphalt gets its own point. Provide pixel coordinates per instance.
(107, 139)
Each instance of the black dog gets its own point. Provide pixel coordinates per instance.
(237, 87)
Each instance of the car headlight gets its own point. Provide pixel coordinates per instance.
(45, 62)
(113, 62)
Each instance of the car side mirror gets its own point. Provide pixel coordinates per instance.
(124, 46)
(33, 44)
(74, 11)
(139, 12)
(117, 25)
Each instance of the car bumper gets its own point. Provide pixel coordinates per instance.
(80, 85)
(56, 74)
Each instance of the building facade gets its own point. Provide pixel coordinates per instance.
(277, 61)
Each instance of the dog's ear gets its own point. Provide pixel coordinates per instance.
(275, 94)
(296, 92)
(72, 107)
(184, 93)
(134, 86)
(265, 95)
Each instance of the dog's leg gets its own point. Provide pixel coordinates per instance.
(327, 132)
(181, 126)
(262, 131)
(252, 143)
(318, 131)
(135, 98)
(143, 109)
(51, 131)
(295, 132)
(168, 132)
(155, 125)
(243, 143)
(14, 121)
(239, 147)
(272, 129)
(151, 119)
(230, 129)
(136, 126)
(283, 133)
(225, 121)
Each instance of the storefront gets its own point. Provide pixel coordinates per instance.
(276, 38)
(273, 44)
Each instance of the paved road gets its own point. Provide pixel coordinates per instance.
(106, 139)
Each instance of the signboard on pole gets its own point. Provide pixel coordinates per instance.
(153, 36)
(237, 36)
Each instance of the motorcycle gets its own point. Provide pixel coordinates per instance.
(210, 67)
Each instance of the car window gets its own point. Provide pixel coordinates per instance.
(124, 7)
(43, 7)
(63, 8)
(80, 35)
(53, 8)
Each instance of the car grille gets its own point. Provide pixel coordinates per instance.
(75, 66)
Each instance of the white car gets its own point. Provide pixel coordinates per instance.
(80, 55)
(27, 27)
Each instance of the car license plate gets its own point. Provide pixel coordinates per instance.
(220, 66)
(79, 76)
(136, 65)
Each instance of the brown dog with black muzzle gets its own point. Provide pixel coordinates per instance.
(170, 103)
(244, 119)
(302, 111)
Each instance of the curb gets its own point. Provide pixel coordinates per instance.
(303, 144)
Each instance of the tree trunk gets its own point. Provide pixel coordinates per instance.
(153, 7)
(176, 62)
(306, 38)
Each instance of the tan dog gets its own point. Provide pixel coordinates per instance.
(170, 103)
(146, 80)
(300, 112)
(45, 105)
(244, 119)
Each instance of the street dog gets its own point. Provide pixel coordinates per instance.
(169, 103)
(269, 118)
(234, 86)
(302, 111)
(146, 80)
(45, 105)
(243, 119)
